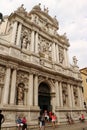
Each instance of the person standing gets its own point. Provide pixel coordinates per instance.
(54, 118)
(2, 119)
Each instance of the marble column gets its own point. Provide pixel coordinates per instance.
(69, 95)
(36, 42)
(14, 32)
(30, 90)
(61, 97)
(36, 90)
(53, 52)
(6, 86)
(72, 94)
(57, 94)
(13, 87)
(32, 41)
(19, 35)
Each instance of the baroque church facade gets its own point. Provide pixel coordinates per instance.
(35, 73)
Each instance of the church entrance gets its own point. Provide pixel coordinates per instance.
(44, 97)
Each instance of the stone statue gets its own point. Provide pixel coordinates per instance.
(61, 57)
(21, 8)
(46, 10)
(55, 20)
(24, 43)
(25, 40)
(75, 60)
(20, 93)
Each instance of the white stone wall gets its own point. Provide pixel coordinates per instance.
(32, 52)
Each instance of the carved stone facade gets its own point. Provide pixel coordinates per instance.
(35, 73)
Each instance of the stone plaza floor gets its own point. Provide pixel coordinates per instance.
(75, 126)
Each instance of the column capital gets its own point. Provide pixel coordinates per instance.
(8, 66)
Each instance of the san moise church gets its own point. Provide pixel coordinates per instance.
(35, 73)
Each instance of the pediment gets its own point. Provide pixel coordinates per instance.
(44, 17)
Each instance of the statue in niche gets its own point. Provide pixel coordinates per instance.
(75, 60)
(20, 93)
(61, 57)
(64, 97)
(75, 96)
(25, 40)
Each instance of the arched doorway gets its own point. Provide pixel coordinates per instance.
(44, 98)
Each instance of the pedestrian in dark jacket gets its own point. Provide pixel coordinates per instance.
(2, 119)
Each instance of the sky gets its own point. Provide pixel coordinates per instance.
(72, 18)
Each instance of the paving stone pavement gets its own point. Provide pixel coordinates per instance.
(76, 126)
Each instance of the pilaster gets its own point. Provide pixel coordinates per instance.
(14, 32)
(53, 52)
(72, 94)
(57, 94)
(57, 53)
(61, 97)
(32, 41)
(69, 95)
(36, 90)
(30, 90)
(6, 86)
(13, 87)
(36, 42)
(19, 35)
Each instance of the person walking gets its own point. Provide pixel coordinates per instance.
(42, 122)
(2, 119)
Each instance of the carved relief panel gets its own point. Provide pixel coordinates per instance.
(45, 48)
(25, 38)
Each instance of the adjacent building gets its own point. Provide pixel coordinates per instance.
(35, 73)
(84, 82)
